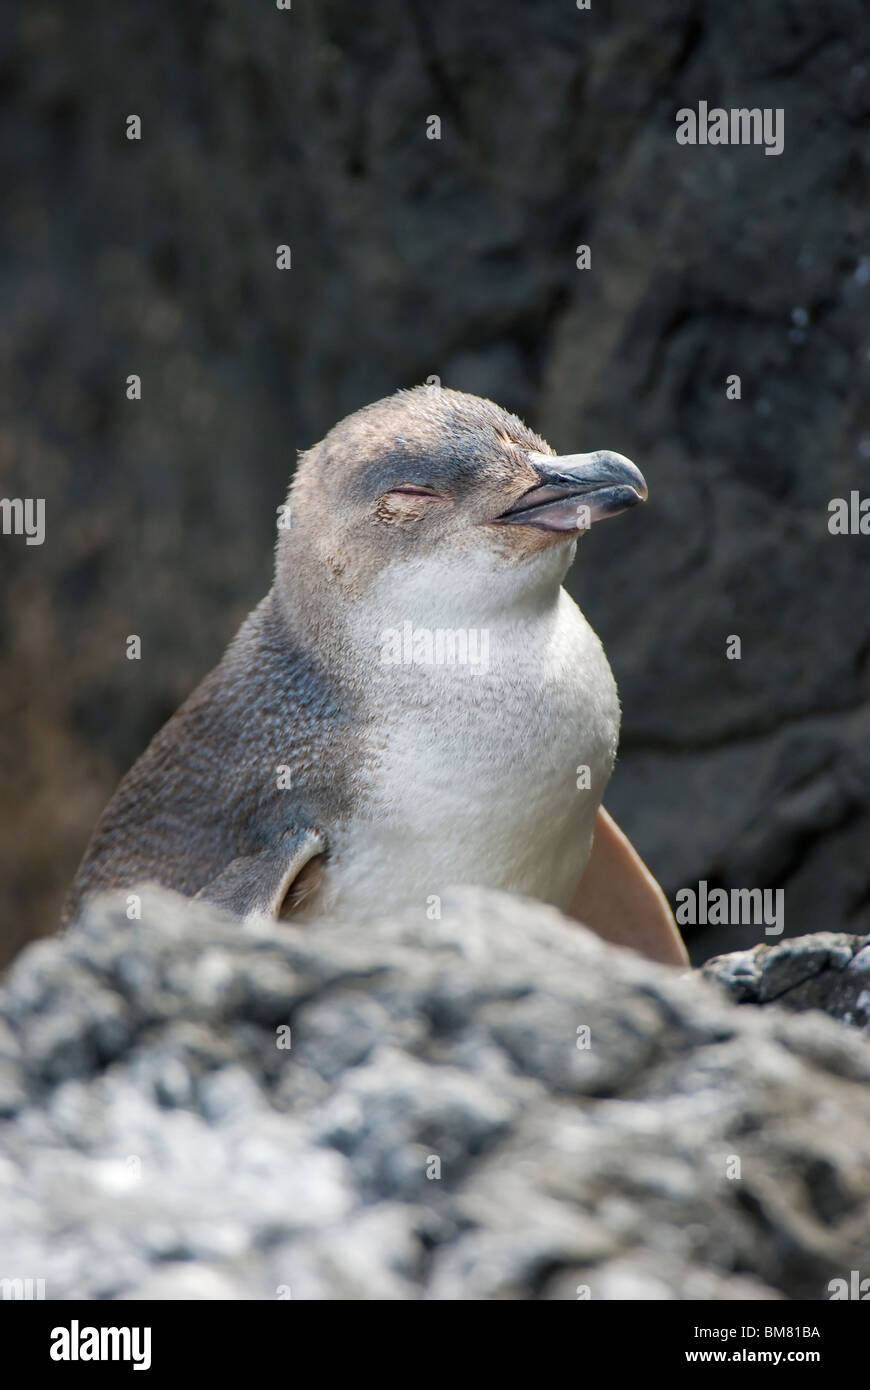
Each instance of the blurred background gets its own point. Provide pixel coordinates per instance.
(455, 257)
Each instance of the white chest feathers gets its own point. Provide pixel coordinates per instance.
(484, 762)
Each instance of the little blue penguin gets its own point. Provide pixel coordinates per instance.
(417, 703)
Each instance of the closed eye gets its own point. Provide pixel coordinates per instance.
(414, 490)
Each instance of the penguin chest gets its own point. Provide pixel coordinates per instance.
(490, 776)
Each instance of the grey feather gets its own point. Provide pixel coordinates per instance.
(203, 800)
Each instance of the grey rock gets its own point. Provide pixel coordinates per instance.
(438, 1127)
(829, 971)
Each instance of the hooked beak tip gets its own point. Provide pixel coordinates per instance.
(575, 490)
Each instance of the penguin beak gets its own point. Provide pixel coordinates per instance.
(577, 489)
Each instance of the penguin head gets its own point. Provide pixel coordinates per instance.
(438, 480)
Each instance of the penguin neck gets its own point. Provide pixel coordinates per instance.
(468, 589)
(462, 601)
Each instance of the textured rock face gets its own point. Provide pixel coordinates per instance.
(829, 971)
(433, 1130)
(455, 257)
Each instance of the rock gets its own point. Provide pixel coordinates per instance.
(438, 1127)
(829, 971)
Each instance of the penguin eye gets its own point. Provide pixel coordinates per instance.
(416, 490)
(406, 503)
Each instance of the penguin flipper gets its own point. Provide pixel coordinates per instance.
(619, 899)
(255, 885)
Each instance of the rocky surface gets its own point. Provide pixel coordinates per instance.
(433, 1131)
(828, 971)
(454, 257)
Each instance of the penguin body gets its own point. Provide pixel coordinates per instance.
(473, 772)
(408, 767)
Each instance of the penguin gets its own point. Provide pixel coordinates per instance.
(416, 703)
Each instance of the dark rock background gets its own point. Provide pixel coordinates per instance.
(457, 257)
(157, 1143)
